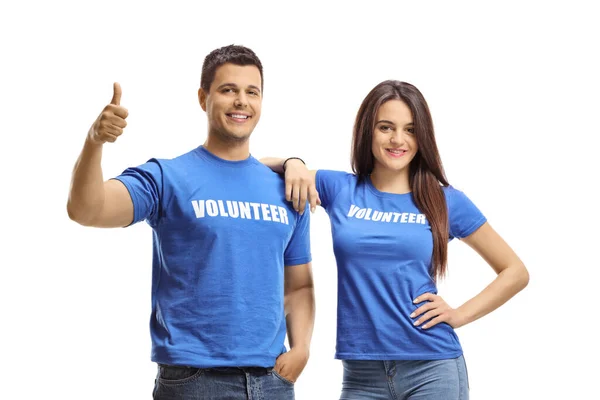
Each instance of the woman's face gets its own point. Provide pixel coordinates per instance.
(394, 143)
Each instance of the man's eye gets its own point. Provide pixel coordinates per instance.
(253, 93)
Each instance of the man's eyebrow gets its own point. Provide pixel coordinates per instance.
(226, 84)
(234, 85)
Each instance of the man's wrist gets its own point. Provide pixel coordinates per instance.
(305, 349)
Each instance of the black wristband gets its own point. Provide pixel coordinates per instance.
(292, 158)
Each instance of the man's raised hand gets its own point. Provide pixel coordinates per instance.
(110, 123)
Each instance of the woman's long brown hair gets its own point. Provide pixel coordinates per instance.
(426, 171)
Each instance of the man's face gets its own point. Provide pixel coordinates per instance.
(234, 101)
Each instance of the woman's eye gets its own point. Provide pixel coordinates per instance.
(411, 130)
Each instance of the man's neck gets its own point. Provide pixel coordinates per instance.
(229, 150)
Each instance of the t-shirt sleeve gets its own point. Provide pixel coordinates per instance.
(298, 248)
(464, 216)
(145, 184)
(329, 184)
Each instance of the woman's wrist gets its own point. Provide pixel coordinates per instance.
(283, 166)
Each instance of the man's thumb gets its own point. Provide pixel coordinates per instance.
(116, 99)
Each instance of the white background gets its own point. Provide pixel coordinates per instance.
(513, 89)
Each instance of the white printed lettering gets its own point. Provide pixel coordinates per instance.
(377, 215)
(222, 211)
(353, 210)
(369, 214)
(198, 208)
(274, 214)
(232, 208)
(211, 208)
(265, 212)
(284, 216)
(245, 210)
(255, 207)
(240, 209)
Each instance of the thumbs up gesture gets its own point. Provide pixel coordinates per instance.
(110, 123)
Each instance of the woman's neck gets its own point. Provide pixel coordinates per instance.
(389, 181)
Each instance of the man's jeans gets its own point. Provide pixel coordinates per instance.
(231, 383)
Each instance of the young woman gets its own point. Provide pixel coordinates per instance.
(391, 223)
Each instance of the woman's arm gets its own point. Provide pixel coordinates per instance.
(299, 182)
(512, 274)
(512, 278)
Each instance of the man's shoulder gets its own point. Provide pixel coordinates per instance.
(181, 161)
(265, 172)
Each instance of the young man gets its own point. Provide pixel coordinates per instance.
(231, 259)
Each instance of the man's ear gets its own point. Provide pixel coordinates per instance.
(202, 98)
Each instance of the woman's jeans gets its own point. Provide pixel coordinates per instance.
(405, 380)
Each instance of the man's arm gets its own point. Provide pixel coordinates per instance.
(300, 318)
(93, 202)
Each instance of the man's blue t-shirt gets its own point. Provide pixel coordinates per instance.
(383, 248)
(222, 234)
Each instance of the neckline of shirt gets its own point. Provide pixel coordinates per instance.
(207, 155)
(379, 193)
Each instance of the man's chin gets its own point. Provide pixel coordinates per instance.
(237, 137)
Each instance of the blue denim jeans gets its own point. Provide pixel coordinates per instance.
(405, 380)
(253, 383)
